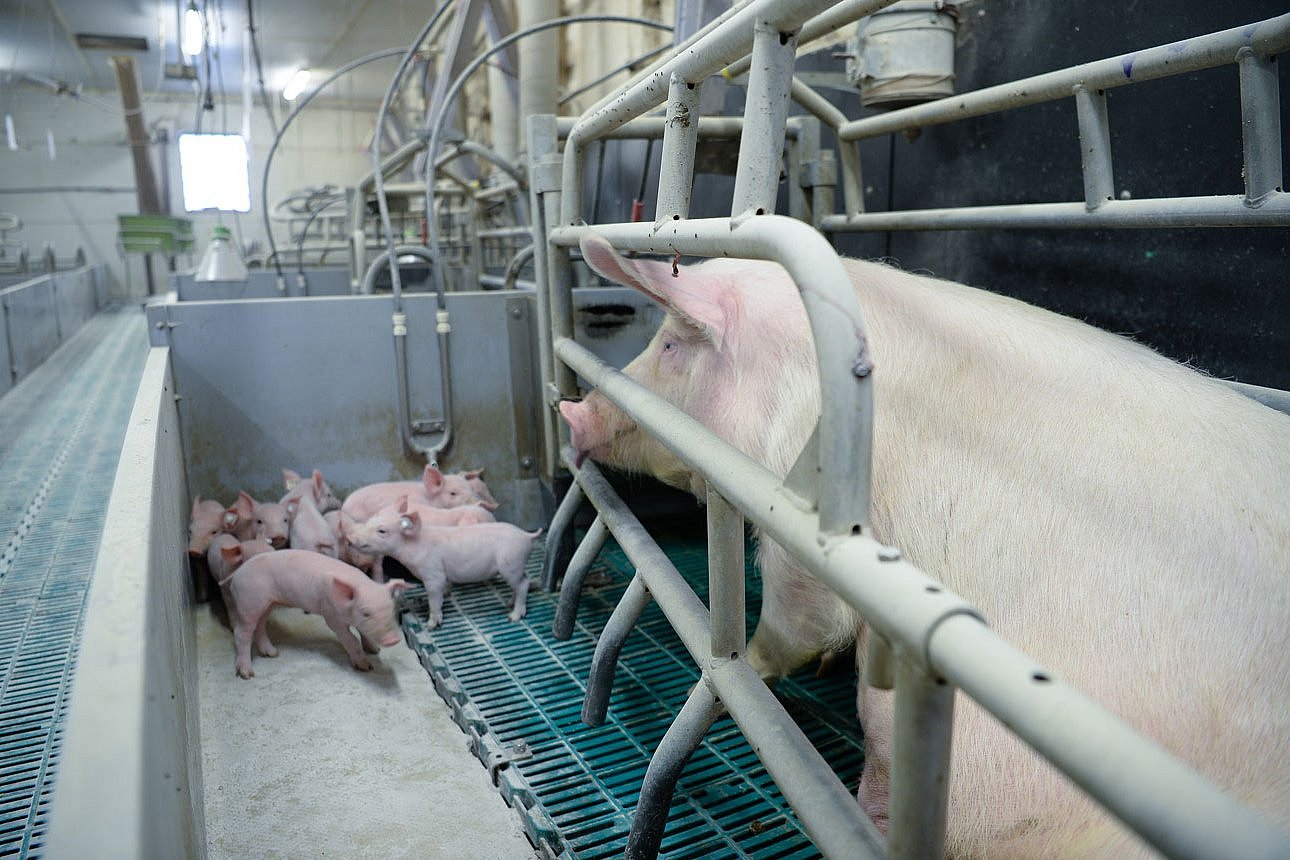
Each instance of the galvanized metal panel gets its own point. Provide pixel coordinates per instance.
(75, 299)
(6, 358)
(309, 383)
(32, 320)
(263, 284)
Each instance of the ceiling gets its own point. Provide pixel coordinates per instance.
(38, 45)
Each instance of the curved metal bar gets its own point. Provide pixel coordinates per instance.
(683, 737)
(841, 343)
(277, 139)
(401, 357)
(604, 660)
(450, 96)
(566, 611)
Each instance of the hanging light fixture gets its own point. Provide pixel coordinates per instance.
(193, 38)
(296, 84)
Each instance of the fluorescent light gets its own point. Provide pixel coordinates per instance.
(193, 38)
(214, 172)
(296, 85)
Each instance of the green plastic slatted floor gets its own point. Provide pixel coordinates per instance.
(513, 688)
(60, 440)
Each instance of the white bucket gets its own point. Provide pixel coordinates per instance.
(904, 54)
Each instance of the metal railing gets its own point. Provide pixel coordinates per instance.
(1264, 203)
(923, 634)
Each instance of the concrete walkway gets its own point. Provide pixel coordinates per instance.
(311, 758)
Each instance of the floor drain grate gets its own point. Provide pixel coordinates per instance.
(576, 786)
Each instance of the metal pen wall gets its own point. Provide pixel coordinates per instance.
(921, 626)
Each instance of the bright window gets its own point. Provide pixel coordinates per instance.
(214, 171)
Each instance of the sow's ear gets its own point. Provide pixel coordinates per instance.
(705, 303)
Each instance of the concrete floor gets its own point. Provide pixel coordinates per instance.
(311, 758)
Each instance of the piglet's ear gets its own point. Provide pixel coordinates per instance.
(410, 522)
(403, 504)
(705, 303)
(432, 478)
(341, 592)
(290, 479)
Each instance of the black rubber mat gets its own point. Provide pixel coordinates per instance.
(518, 693)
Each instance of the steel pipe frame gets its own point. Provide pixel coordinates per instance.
(1264, 203)
(827, 810)
(708, 54)
(1162, 799)
(1217, 211)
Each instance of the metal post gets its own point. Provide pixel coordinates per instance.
(1094, 146)
(680, 136)
(544, 182)
(726, 577)
(765, 115)
(1260, 124)
(566, 611)
(920, 768)
(558, 533)
(604, 660)
(683, 737)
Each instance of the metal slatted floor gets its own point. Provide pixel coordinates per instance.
(518, 693)
(61, 430)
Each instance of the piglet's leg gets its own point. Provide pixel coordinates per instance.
(242, 634)
(357, 658)
(519, 606)
(435, 587)
(262, 642)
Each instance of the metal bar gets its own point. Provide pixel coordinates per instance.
(841, 344)
(1158, 796)
(848, 152)
(826, 22)
(1271, 397)
(920, 770)
(604, 660)
(1094, 146)
(505, 233)
(710, 127)
(707, 55)
(1271, 36)
(1260, 124)
(566, 612)
(1165, 801)
(1218, 211)
(544, 180)
(726, 577)
(680, 137)
(828, 811)
(766, 111)
(683, 737)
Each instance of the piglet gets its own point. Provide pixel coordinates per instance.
(308, 528)
(466, 515)
(226, 554)
(206, 522)
(344, 549)
(475, 479)
(323, 495)
(435, 490)
(438, 556)
(249, 519)
(343, 596)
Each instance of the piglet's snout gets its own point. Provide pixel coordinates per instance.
(391, 639)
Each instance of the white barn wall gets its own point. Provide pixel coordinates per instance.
(74, 200)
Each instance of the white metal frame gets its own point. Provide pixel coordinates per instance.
(923, 632)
